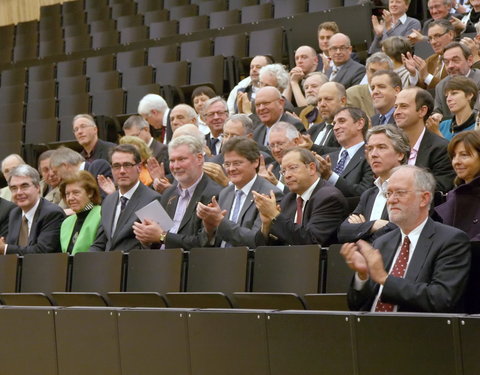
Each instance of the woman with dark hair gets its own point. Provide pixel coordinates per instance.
(78, 231)
(462, 208)
(460, 94)
(199, 96)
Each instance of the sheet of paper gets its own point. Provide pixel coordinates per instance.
(154, 211)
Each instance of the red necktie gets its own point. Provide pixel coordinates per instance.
(299, 210)
(398, 270)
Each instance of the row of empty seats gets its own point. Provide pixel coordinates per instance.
(269, 277)
(99, 341)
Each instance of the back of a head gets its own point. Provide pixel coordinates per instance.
(152, 102)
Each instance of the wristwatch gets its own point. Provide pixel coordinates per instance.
(162, 237)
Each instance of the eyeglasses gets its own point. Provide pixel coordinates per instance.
(338, 49)
(399, 193)
(22, 188)
(218, 113)
(436, 36)
(265, 104)
(76, 129)
(279, 145)
(234, 164)
(291, 168)
(126, 166)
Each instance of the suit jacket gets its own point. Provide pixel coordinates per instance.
(330, 143)
(440, 102)
(359, 96)
(243, 232)
(433, 155)
(434, 65)
(304, 111)
(400, 29)
(44, 233)
(459, 210)
(436, 275)
(123, 239)
(260, 130)
(323, 213)
(376, 120)
(357, 175)
(350, 74)
(100, 151)
(5, 208)
(188, 234)
(352, 232)
(98, 167)
(160, 151)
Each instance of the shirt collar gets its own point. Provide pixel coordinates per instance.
(382, 186)
(129, 193)
(165, 117)
(403, 18)
(308, 193)
(31, 212)
(248, 186)
(416, 147)
(353, 149)
(414, 235)
(190, 189)
(389, 113)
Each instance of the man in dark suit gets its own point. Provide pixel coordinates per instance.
(344, 70)
(215, 113)
(386, 148)
(118, 209)
(86, 133)
(428, 150)
(385, 85)
(5, 208)
(33, 226)
(320, 137)
(234, 220)
(309, 214)
(269, 105)
(180, 200)
(154, 109)
(422, 266)
(347, 169)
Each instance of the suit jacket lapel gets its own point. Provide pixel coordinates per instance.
(422, 249)
(33, 227)
(228, 201)
(249, 199)
(192, 205)
(424, 150)
(109, 214)
(356, 159)
(388, 252)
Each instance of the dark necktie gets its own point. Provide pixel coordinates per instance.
(213, 143)
(382, 119)
(341, 163)
(299, 211)
(398, 270)
(328, 129)
(123, 203)
(23, 236)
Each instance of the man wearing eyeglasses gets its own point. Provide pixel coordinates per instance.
(118, 208)
(215, 113)
(34, 226)
(422, 266)
(344, 70)
(86, 133)
(309, 214)
(234, 220)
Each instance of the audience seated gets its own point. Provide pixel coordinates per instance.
(118, 209)
(8, 164)
(215, 113)
(347, 169)
(309, 214)
(145, 154)
(199, 96)
(49, 180)
(395, 47)
(386, 148)
(427, 150)
(344, 69)
(385, 86)
(86, 133)
(309, 114)
(154, 109)
(5, 208)
(360, 95)
(324, 33)
(394, 22)
(387, 277)
(182, 114)
(34, 225)
(78, 231)
(471, 18)
(439, 10)
(461, 210)
(234, 220)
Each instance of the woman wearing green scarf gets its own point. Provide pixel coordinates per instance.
(78, 231)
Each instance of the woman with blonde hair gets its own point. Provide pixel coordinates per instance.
(145, 154)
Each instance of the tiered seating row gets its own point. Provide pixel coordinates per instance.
(70, 341)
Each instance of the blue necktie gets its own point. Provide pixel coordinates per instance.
(341, 163)
(236, 208)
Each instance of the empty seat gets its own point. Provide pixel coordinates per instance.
(130, 59)
(12, 94)
(195, 48)
(224, 18)
(181, 11)
(319, 5)
(257, 13)
(108, 103)
(162, 54)
(144, 6)
(8, 272)
(167, 4)
(163, 29)
(12, 140)
(53, 47)
(71, 105)
(135, 94)
(70, 19)
(240, 4)
(193, 24)
(123, 9)
(75, 30)
(105, 81)
(42, 89)
(11, 113)
(7, 34)
(42, 72)
(41, 130)
(26, 33)
(138, 76)
(158, 15)
(207, 7)
(101, 63)
(98, 13)
(172, 73)
(72, 86)
(25, 52)
(338, 274)
(105, 39)
(208, 70)
(134, 34)
(91, 4)
(70, 68)
(13, 77)
(129, 21)
(72, 7)
(287, 8)
(230, 45)
(100, 26)
(267, 42)
(77, 43)
(41, 109)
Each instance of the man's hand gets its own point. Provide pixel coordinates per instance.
(325, 166)
(378, 224)
(161, 184)
(2, 245)
(265, 172)
(472, 45)
(458, 25)
(416, 36)
(326, 63)
(356, 219)
(355, 260)
(211, 215)
(216, 173)
(268, 209)
(373, 257)
(147, 232)
(305, 141)
(378, 26)
(433, 124)
(156, 169)
(296, 75)
(409, 63)
(244, 105)
(106, 184)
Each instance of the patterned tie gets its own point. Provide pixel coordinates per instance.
(299, 211)
(334, 73)
(23, 236)
(398, 270)
(236, 208)
(123, 203)
(341, 163)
